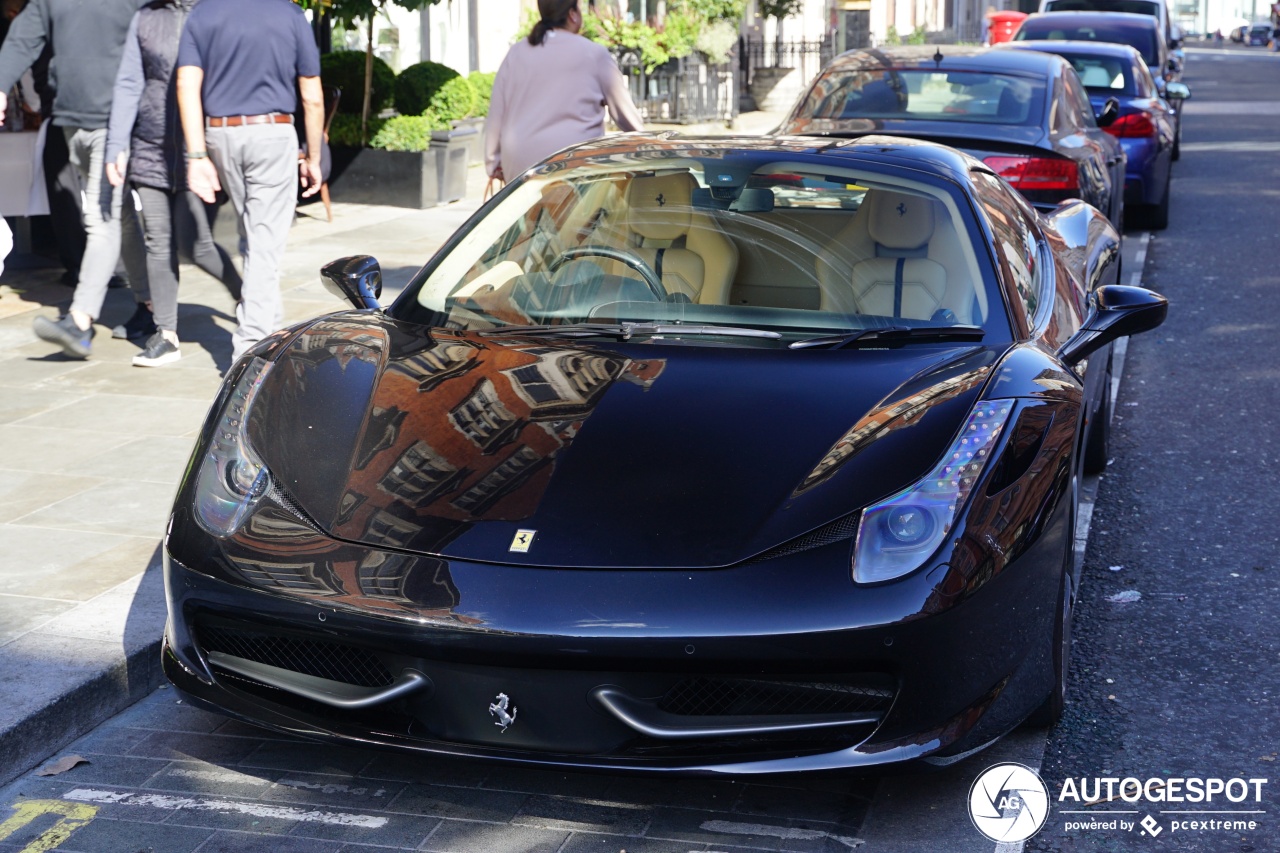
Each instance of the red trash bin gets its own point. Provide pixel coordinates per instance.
(1004, 25)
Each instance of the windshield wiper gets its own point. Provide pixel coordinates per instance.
(894, 335)
(625, 331)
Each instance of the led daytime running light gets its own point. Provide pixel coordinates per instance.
(898, 534)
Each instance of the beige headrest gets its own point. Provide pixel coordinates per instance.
(898, 220)
(659, 208)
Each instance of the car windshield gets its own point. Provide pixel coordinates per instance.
(926, 95)
(1109, 74)
(633, 244)
(1039, 29)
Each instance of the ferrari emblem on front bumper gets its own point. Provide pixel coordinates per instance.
(498, 708)
(523, 539)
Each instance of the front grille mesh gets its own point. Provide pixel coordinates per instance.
(320, 658)
(698, 697)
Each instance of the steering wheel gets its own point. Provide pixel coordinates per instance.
(614, 254)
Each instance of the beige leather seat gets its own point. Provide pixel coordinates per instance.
(686, 247)
(899, 257)
(901, 281)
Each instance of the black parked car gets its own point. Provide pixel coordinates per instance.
(1024, 114)
(1141, 32)
(730, 455)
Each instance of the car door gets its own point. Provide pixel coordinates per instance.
(1099, 155)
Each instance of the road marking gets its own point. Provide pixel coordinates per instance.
(74, 816)
(1232, 147)
(162, 801)
(786, 833)
(1231, 108)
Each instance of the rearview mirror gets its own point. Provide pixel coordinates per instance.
(356, 279)
(1177, 91)
(1109, 113)
(1118, 311)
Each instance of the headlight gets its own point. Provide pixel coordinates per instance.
(897, 535)
(232, 478)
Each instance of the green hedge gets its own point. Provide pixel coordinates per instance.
(455, 100)
(345, 69)
(418, 84)
(482, 82)
(407, 133)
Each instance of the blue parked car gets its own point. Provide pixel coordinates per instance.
(1146, 125)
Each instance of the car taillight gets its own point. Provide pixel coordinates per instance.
(1036, 173)
(1132, 126)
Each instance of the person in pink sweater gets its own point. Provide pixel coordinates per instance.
(551, 91)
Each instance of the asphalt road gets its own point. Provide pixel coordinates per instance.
(1184, 681)
(1181, 681)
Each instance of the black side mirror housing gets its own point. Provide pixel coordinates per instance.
(1117, 311)
(1109, 113)
(356, 279)
(1176, 91)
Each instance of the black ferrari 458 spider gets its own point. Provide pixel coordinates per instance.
(681, 455)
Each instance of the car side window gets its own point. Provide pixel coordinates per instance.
(1075, 92)
(1015, 243)
(1142, 75)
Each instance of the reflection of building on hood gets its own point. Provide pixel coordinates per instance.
(468, 430)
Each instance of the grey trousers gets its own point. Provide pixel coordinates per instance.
(258, 168)
(159, 207)
(101, 218)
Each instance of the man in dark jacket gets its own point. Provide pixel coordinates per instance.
(145, 135)
(87, 40)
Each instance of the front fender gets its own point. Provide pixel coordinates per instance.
(1090, 244)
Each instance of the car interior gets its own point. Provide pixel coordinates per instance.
(782, 246)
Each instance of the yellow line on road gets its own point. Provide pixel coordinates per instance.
(74, 816)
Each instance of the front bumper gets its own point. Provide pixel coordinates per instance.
(935, 675)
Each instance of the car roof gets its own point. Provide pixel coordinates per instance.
(1113, 19)
(892, 151)
(1090, 48)
(947, 57)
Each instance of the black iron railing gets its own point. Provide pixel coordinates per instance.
(687, 90)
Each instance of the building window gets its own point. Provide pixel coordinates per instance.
(499, 482)
(484, 419)
(419, 476)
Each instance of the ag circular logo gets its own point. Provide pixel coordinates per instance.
(1008, 802)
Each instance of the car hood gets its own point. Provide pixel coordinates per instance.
(615, 454)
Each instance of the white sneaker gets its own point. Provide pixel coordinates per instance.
(159, 350)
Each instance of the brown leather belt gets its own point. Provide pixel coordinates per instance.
(237, 121)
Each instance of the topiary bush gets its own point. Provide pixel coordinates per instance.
(407, 133)
(418, 84)
(482, 82)
(455, 100)
(345, 69)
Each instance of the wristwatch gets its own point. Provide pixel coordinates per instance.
(197, 155)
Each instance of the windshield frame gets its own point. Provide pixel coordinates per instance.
(998, 324)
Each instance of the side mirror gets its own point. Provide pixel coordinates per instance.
(357, 279)
(1177, 91)
(1109, 113)
(1118, 311)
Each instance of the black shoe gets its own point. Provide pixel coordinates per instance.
(139, 327)
(65, 333)
(157, 352)
(116, 282)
